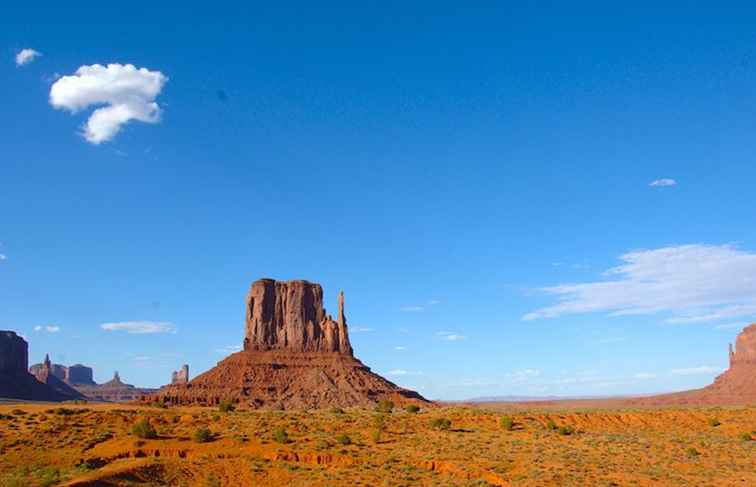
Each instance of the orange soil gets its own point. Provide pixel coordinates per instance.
(92, 445)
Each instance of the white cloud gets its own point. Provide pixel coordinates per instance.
(644, 375)
(400, 348)
(126, 92)
(229, 349)
(691, 282)
(663, 182)
(397, 372)
(140, 327)
(450, 336)
(3, 257)
(702, 369)
(26, 56)
(412, 308)
(47, 328)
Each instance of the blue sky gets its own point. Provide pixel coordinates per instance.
(478, 180)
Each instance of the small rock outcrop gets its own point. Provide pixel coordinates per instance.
(114, 390)
(295, 356)
(180, 376)
(15, 380)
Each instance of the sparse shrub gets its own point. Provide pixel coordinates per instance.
(441, 424)
(18, 412)
(281, 436)
(212, 481)
(202, 435)
(143, 429)
(507, 423)
(344, 439)
(412, 408)
(47, 477)
(376, 436)
(566, 430)
(714, 422)
(384, 406)
(551, 425)
(746, 436)
(692, 452)
(216, 417)
(322, 445)
(226, 406)
(158, 404)
(336, 411)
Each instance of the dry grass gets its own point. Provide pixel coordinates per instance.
(94, 445)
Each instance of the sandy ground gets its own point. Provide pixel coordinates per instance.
(562, 444)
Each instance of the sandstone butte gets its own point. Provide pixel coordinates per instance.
(294, 356)
(735, 386)
(16, 381)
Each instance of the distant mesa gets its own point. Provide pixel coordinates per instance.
(180, 376)
(735, 386)
(295, 356)
(79, 379)
(17, 383)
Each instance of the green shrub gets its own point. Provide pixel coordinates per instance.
(216, 417)
(551, 425)
(714, 422)
(384, 406)
(566, 430)
(692, 452)
(143, 429)
(746, 436)
(507, 423)
(18, 412)
(322, 445)
(376, 436)
(226, 406)
(202, 435)
(212, 481)
(344, 439)
(158, 404)
(441, 424)
(336, 411)
(412, 408)
(281, 436)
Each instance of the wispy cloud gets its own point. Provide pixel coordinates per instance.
(400, 348)
(692, 282)
(730, 326)
(434, 302)
(140, 327)
(360, 329)
(412, 308)
(644, 376)
(26, 56)
(47, 328)
(663, 182)
(522, 376)
(700, 370)
(450, 336)
(229, 349)
(3, 257)
(128, 94)
(397, 372)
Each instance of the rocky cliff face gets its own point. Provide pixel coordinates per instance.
(294, 356)
(735, 386)
(17, 383)
(14, 353)
(290, 316)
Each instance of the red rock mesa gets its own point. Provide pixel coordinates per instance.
(294, 355)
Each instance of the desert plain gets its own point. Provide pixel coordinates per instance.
(494, 444)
